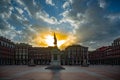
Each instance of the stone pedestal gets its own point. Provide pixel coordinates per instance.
(55, 59)
(31, 63)
(85, 63)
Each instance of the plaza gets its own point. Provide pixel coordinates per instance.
(93, 72)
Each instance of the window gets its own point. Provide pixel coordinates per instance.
(1, 43)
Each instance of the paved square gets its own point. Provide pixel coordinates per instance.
(97, 72)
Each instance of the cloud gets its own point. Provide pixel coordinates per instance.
(26, 6)
(19, 10)
(7, 30)
(50, 2)
(65, 5)
(90, 22)
(102, 3)
(46, 18)
(15, 20)
(11, 19)
(24, 20)
(113, 17)
(34, 3)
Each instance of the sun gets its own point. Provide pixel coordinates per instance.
(45, 39)
(49, 39)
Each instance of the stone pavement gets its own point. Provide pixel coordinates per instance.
(97, 72)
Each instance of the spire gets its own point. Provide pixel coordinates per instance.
(55, 40)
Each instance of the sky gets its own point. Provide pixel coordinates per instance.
(91, 23)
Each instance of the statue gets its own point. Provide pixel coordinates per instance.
(55, 40)
(55, 56)
(55, 53)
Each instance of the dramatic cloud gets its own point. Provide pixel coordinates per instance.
(50, 2)
(93, 23)
(45, 17)
(95, 27)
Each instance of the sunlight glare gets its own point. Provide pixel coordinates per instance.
(49, 40)
(45, 39)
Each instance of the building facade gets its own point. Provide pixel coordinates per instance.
(98, 56)
(21, 53)
(6, 51)
(109, 55)
(113, 53)
(40, 55)
(74, 55)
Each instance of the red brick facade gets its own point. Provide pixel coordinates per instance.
(6, 51)
(106, 55)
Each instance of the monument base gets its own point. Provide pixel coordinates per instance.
(85, 64)
(55, 67)
(55, 63)
(31, 63)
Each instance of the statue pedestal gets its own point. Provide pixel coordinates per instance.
(55, 59)
(55, 63)
(31, 63)
(85, 63)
